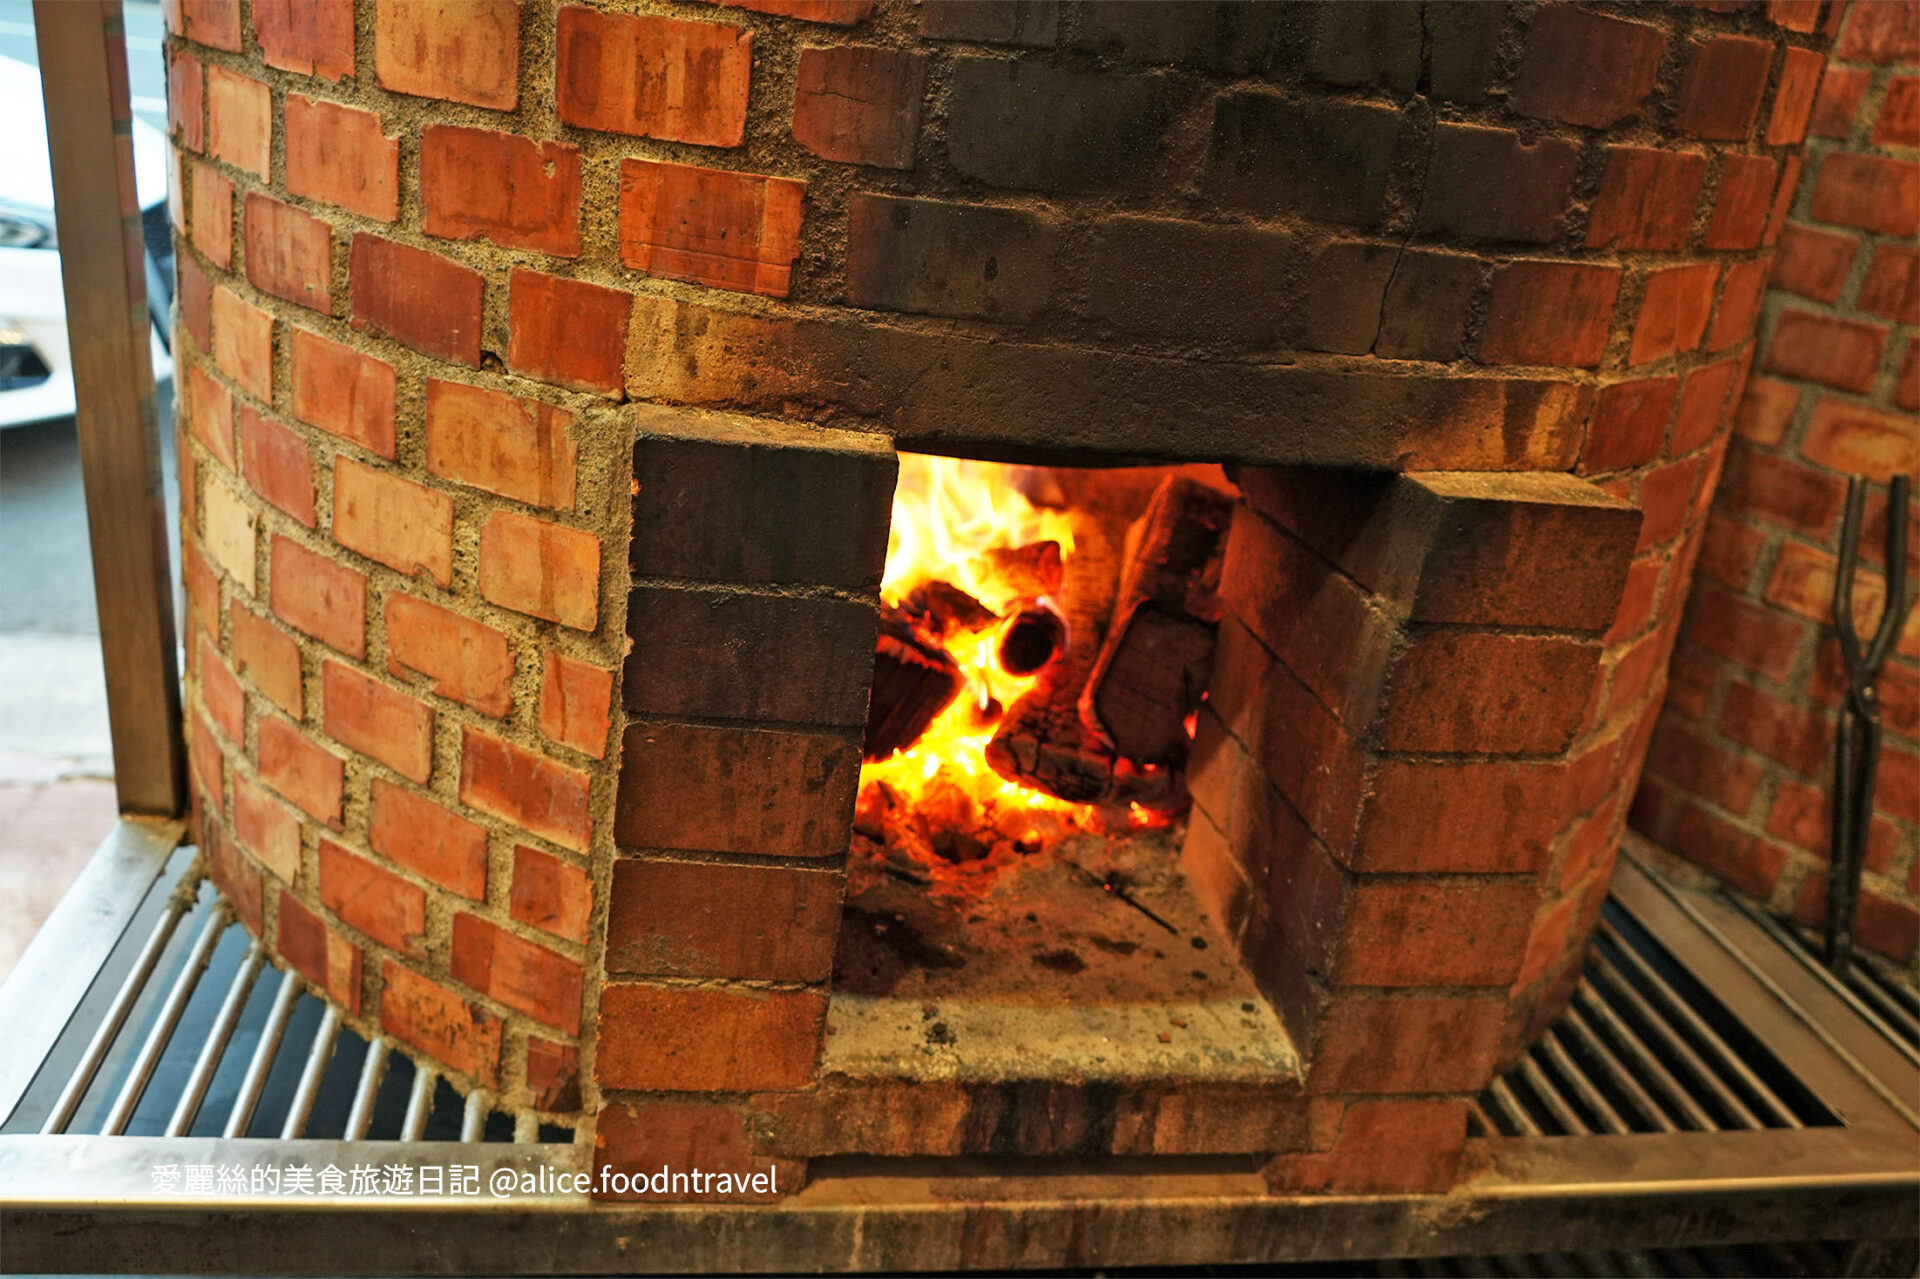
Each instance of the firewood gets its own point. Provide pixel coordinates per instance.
(1158, 653)
(1032, 570)
(913, 681)
(1032, 640)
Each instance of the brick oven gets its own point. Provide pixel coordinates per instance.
(549, 376)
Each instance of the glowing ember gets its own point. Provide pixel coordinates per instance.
(950, 516)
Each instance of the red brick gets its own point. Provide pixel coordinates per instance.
(576, 704)
(459, 50)
(1426, 1043)
(1892, 286)
(1838, 103)
(1868, 192)
(467, 661)
(1399, 1146)
(538, 794)
(319, 954)
(1793, 98)
(518, 448)
(1703, 402)
(859, 104)
(552, 895)
(1636, 602)
(1769, 487)
(1730, 551)
(215, 23)
(1584, 68)
(339, 155)
(230, 527)
(1748, 634)
(553, 1075)
(268, 656)
(542, 569)
(1721, 93)
(318, 597)
(1802, 583)
(1729, 852)
(311, 37)
(212, 196)
(1629, 424)
(237, 881)
(243, 342)
(289, 253)
(342, 391)
(440, 1024)
(1550, 313)
(417, 298)
(1499, 694)
(700, 919)
(1647, 198)
(1906, 387)
(278, 464)
(1795, 15)
(1814, 263)
(210, 415)
(839, 13)
(196, 300)
(693, 1039)
(1821, 348)
(428, 840)
(1741, 296)
(640, 1140)
(220, 693)
(1767, 407)
(1783, 732)
(567, 331)
(265, 828)
(1783, 198)
(203, 586)
(1488, 817)
(529, 978)
(653, 77)
(1673, 312)
(404, 525)
(387, 908)
(375, 720)
(1880, 32)
(1859, 439)
(1744, 201)
(1898, 124)
(515, 192)
(1881, 924)
(186, 99)
(1803, 816)
(1425, 932)
(239, 120)
(706, 789)
(731, 230)
(308, 774)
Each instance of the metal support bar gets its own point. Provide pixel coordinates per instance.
(316, 1069)
(1617, 981)
(264, 1052)
(1583, 1092)
(372, 1070)
(83, 79)
(1617, 1074)
(1672, 1093)
(184, 985)
(419, 1104)
(474, 1121)
(216, 1046)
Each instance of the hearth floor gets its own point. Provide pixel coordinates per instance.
(1048, 975)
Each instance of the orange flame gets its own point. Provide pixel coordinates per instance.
(948, 513)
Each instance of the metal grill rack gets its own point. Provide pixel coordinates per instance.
(1710, 1092)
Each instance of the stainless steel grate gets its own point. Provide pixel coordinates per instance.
(1884, 994)
(188, 1031)
(1644, 1048)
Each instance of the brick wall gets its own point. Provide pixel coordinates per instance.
(1741, 768)
(437, 569)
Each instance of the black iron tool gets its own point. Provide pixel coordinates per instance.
(1856, 753)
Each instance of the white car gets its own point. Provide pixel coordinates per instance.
(36, 372)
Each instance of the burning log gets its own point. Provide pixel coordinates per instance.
(1032, 570)
(1032, 640)
(1154, 664)
(913, 681)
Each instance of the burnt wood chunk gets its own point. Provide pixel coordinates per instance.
(1158, 653)
(913, 681)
